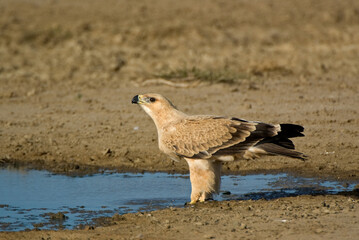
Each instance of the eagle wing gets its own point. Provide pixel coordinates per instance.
(204, 136)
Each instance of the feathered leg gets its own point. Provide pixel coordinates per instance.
(205, 176)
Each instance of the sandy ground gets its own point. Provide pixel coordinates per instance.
(69, 69)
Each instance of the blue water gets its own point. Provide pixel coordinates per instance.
(28, 196)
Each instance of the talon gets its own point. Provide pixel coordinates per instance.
(190, 203)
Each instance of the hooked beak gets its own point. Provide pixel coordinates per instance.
(135, 100)
(138, 99)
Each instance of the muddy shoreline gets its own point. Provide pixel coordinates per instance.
(283, 188)
(71, 169)
(284, 218)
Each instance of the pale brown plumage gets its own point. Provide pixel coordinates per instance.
(205, 141)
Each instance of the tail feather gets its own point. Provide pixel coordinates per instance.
(281, 144)
(274, 149)
(290, 130)
(267, 139)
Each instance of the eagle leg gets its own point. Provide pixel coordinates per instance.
(205, 176)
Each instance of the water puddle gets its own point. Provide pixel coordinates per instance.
(39, 199)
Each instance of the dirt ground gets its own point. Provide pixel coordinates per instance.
(69, 69)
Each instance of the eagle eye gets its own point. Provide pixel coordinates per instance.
(152, 99)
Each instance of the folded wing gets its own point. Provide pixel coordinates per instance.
(207, 136)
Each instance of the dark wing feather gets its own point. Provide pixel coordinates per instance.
(261, 131)
(202, 137)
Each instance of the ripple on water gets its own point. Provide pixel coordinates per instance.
(39, 199)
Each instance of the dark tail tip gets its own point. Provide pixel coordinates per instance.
(303, 157)
(291, 130)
